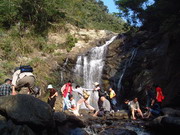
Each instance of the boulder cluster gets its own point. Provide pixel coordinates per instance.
(27, 115)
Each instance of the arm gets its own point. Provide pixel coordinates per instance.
(13, 90)
(62, 89)
(113, 94)
(97, 88)
(14, 80)
(55, 95)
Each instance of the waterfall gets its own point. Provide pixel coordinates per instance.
(63, 69)
(89, 67)
(127, 64)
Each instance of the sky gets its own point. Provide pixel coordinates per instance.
(111, 5)
(113, 8)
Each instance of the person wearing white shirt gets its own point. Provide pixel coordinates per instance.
(25, 79)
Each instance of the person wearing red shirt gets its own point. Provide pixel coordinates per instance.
(66, 90)
(159, 95)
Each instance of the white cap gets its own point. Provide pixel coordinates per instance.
(49, 86)
(96, 83)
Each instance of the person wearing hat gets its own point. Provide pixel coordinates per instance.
(52, 96)
(101, 93)
(6, 88)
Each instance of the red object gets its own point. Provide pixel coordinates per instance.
(52, 92)
(67, 89)
(160, 96)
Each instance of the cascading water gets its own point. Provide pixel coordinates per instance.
(127, 64)
(90, 66)
(63, 69)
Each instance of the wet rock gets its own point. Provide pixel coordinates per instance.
(27, 109)
(171, 123)
(60, 117)
(113, 131)
(122, 114)
(171, 112)
(22, 130)
(165, 124)
(74, 122)
(3, 127)
(78, 131)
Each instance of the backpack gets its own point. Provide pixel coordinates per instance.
(27, 68)
(85, 94)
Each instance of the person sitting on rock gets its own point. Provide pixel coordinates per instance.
(154, 110)
(105, 109)
(112, 97)
(6, 88)
(83, 98)
(71, 105)
(23, 79)
(134, 107)
(52, 96)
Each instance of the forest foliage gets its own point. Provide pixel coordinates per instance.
(41, 13)
(25, 25)
(162, 14)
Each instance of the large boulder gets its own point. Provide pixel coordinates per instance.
(26, 109)
(164, 124)
(171, 112)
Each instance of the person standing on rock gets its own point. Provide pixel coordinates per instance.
(52, 96)
(159, 95)
(83, 98)
(112, 97)
(101, 93)
(66, 90)
(6, 88)
(150, 96)
(23, 77)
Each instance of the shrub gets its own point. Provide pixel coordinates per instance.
(70, 42)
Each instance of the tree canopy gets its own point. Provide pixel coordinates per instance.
(162, 11)
(40, 13)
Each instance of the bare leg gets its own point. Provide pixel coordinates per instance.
(88, 105)
(80, 101)
(140, 112)
(133, 114)
(95, 114)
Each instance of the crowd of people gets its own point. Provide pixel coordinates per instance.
(107, 102)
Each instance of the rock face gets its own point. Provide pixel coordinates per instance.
(156, 61)
(27, 115)
(67, 68)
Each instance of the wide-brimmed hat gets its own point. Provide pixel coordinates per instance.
(49, 86)
(96, 83)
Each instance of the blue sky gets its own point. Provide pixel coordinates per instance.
(111, 5)
(113, 8)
